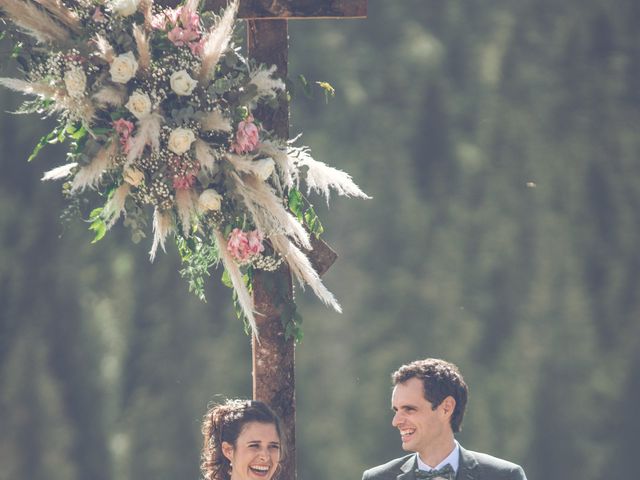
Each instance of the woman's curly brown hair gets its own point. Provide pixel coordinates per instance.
(224, 423)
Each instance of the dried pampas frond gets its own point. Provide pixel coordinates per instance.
(34, 21)
(142, 44)
(186, 206)
(65, 16)
(162, 226)
(104, 48)
(57, 173)
(267, 210)
(303, 270)
(192, 5)
(321, 177)
(282, 160)
(267, 86)
(205, 156)
(110, 95)
(244, 297)
(82, 109)
(148, 134)
(115, 205)
(30, 88)
(146, 7)
(217, 41)
(214, 120)
(241, 163)
(89, 175)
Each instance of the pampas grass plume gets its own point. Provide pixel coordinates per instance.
(217, 41)
(34, 21)
(244, 297)
(162, 226)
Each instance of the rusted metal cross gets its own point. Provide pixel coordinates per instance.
(273, 356)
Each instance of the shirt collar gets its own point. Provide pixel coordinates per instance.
(452, 459)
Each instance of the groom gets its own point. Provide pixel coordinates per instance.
(429, 399)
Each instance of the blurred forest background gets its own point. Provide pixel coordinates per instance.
(500, 143)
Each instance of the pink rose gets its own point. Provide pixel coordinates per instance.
(159, 22)
(247, 137)
(190, 20)
(255, 242)
(180, 36)
(237, 245)
(184, 182)
(197, 47)
(123, 128)
(243, 246)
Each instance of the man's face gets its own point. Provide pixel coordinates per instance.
(421, 428)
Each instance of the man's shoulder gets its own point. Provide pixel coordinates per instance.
(489, 463)
(391, 468)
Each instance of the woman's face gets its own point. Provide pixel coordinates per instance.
(256, 453)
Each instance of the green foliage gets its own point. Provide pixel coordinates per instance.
(292, 322)
(57, 135)
(198, 257)
(98, 225)
(303, 210)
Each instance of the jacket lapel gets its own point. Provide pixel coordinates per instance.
(408, 469)
(468, 467)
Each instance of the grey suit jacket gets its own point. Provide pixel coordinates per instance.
(473, 466)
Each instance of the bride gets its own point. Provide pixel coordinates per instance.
(243, 440)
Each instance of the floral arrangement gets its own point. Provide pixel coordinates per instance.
(157, 105)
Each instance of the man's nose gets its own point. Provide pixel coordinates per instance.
(396, 419)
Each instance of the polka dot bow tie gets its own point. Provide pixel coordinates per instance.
(445, 472)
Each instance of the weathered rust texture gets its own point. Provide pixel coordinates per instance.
(273, 354)
(322, 256)
(295, 9)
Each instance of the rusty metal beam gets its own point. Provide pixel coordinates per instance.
(295, 9)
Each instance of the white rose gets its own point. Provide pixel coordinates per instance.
(123, 68)
(133, 176)
(125, 7)
(182, 83)
(75, 80)
(180, 140)
(209, 200)
(139, 104)
(263, 168)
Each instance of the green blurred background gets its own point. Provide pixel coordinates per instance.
(499, 141)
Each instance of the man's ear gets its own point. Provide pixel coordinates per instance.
(227, 450)
(447, 406)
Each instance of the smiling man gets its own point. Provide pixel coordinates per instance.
(429, 400)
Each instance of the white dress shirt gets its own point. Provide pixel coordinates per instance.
(452, 459)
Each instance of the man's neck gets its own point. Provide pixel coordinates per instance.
(438, 452)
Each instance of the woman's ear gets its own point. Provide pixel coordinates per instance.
(227, 450)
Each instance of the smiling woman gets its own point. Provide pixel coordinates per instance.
(243, 440)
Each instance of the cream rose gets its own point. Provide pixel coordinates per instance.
(133, 176)
(263, 168)
(182, 83)
(180, 140)
(123, 68)
(139, 104)
(125, 8)
(209, 200)
(75, 81)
